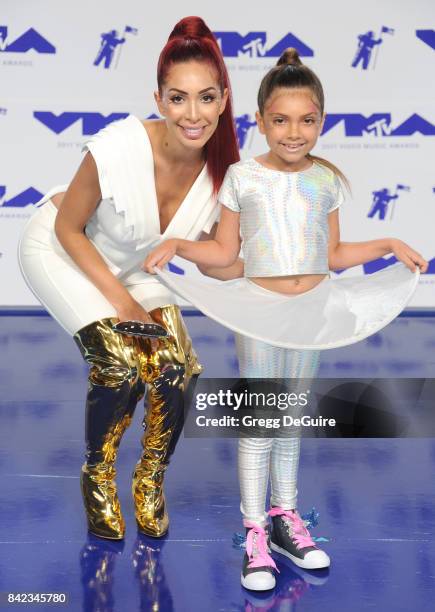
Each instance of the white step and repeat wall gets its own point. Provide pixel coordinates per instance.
(69, 68)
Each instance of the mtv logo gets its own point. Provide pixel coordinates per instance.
(378, 124)
(91, 122)
(31, 39)
(254, 44)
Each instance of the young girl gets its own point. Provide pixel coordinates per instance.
(284, 204)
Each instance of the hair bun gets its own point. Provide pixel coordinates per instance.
(290, 57)
(191, 27)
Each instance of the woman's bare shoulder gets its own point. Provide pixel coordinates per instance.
(153, 126)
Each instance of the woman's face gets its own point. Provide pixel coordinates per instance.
(191, 102)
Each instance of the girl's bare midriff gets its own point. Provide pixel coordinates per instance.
(289, 285)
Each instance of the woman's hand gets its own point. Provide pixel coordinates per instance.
(133, 311)
(408, 256)
(161, 255)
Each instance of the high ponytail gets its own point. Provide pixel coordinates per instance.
(191, 27)
(291, 73)
(191, 39)
(290, 57)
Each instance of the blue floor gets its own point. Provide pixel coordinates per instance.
(375, 497)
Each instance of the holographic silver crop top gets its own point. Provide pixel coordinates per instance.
(283, 216)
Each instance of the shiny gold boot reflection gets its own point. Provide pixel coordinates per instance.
(155, 594)
(114, 389)
(171, 372)
(97, 566)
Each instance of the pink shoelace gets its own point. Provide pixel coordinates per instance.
(300, 533)
(256, 546)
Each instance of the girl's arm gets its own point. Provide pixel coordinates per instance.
(220, 252)
(347, 254)
(78, 205)
(236, 270)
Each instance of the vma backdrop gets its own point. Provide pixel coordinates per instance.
(67, 69)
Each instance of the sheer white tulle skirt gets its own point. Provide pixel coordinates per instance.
(337, 312)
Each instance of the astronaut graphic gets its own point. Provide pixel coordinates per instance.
(243, 125)
(381, 200)
(367, 43)
(109, 44)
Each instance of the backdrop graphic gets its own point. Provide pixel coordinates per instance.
(69, 69)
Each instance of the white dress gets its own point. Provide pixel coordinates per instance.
(124, 228)
(284, 229)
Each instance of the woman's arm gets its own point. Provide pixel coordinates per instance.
(347, 254)
(220, 252)
(78, 205)
(236, 270)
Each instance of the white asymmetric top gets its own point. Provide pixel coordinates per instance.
(124, 227)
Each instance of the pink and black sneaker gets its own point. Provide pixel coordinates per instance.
(291, 538)
(258, 572)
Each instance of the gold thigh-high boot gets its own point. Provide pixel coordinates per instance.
(171, 371)
(115, 387)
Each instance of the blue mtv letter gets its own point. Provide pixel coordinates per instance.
(427, 36)
(30, 40)
(28, 196)
(290, 41)
(92, 122)
(232, 43)
(379, 264)
(414, 124)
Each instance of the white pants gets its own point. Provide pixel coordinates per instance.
(278, 458)
(61, 286)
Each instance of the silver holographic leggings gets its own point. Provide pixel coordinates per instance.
(278, 456)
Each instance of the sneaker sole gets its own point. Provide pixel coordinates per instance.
(251, 588)
(296, 560)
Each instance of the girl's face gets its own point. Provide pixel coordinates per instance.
(292, 123)
(191, 102)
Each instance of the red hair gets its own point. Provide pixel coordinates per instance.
(191, 39)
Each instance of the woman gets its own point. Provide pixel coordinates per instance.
(140, 182)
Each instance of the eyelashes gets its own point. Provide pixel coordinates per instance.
(207, 99)
(308, 121)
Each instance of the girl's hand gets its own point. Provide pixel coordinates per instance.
(408, 256)
(161, 255)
